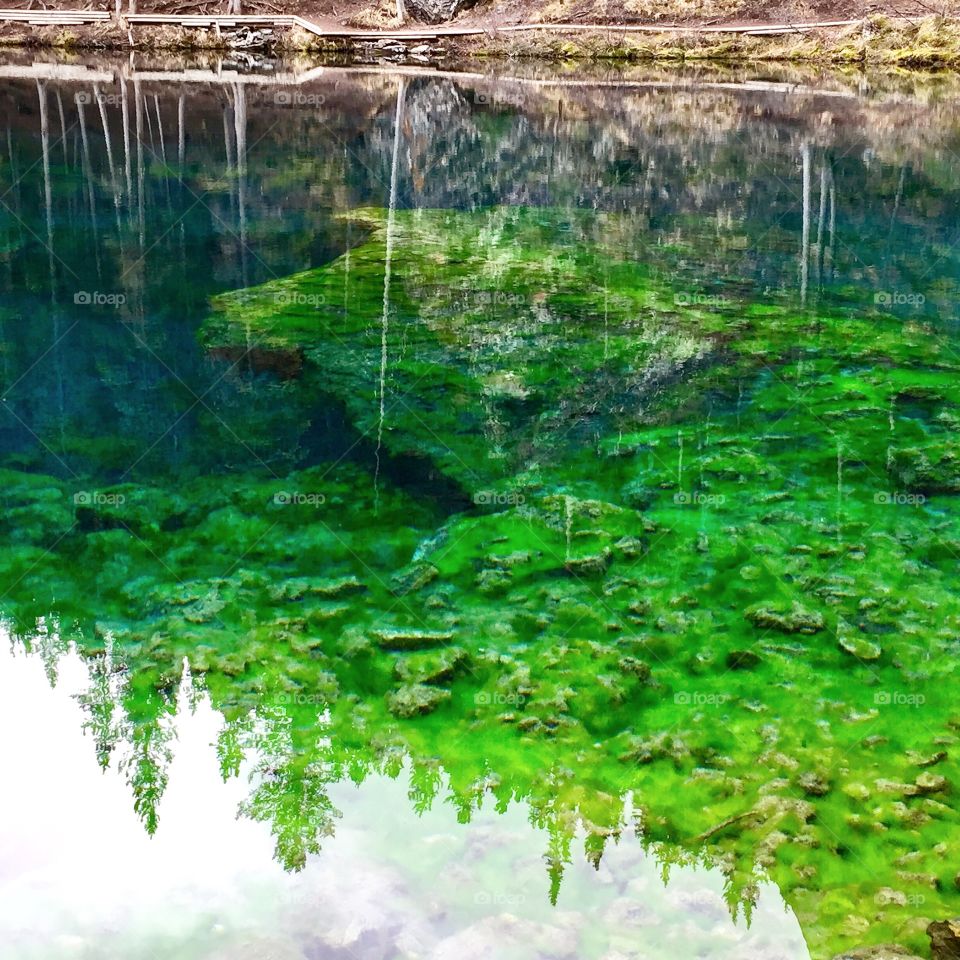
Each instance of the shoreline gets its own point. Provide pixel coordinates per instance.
(932, 42)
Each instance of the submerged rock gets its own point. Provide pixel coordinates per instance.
(416, 699)
(931, 783)
(926, 761)
(742, 660)
(814, 785)
(895, 787)
(594, 565)
(493, 581)
(859, 647)
(509, 560)
(658, 747)
(433, 667)
(411, 639)
(328, 588)
(412, 578)
(797, 620)
(911, 878)
(933, 469)
(507, 935)
(630, 547)
(944, 939)
(203, 610)
(887, 896)
(331, 589)
(635, 667)
(857, 791)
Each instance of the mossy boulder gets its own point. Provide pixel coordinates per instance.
(796, 619)
(416, 699)
(432, 667)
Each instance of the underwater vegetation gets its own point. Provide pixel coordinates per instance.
(685, 566)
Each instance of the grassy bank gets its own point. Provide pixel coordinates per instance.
(930, 42)
(878, 41)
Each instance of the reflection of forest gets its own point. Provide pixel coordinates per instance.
(152, 148)
(160, 194)
(128, 205)
(398, 877)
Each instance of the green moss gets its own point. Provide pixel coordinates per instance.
(704, 560)
(486, 315)
(414, 700)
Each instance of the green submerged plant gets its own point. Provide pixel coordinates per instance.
(699, 578)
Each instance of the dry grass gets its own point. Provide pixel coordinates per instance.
(296, 39)
(682, 9)
(931, 42)
(380, 16)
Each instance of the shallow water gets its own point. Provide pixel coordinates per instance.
(453, 516)
(206, 884)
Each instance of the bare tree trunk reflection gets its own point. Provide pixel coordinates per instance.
(821, 214)
(832, 224)
(125, 113)
(47, 191)
(63, 126)
(805, 239)
(388, 254)
(163, 151)
(240, 131)
(88, 178)
(138, 111)
(181, 136)
(48, 206)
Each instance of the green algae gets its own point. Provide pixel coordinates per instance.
(483, 314)
(818, 527)
(707, 590)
